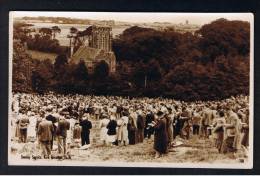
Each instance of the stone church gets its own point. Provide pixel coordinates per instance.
(95, 46)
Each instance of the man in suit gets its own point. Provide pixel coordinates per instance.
(149, 130)
(23, 126)
(63, 126)
(45, 131)
(86, 126)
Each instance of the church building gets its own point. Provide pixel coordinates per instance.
(94, 45)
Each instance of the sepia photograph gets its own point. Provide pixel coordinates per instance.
(131, 89)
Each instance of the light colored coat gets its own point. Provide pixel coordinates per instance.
(103, 129)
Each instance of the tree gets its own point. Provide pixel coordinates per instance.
(154, 71)
(60, 66)
(224, 37)
(73, 30)
(81, 71)
(60, 61)
(38, 82)
(55, 30)
(101, 70)
(45, 31)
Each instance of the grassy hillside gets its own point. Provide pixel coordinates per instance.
(42, 55)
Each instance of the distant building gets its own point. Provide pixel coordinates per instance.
(96, 45)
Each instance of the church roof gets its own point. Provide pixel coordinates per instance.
(86, 53)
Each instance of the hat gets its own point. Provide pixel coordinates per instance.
(159, 113)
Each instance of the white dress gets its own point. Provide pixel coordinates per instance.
(70, 131)
(103, 129)
(124, 129)
(32, 127)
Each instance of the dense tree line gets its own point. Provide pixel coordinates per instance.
(212, 63)
(21, 77)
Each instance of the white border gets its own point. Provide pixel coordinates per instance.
(248, 165)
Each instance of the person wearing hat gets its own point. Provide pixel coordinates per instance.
(196, 122)
(85, 132)
(131, 127)
(111, 130)
(169, 117)
(122, 134)
(160, 134)
(77, 134)
(45, 131)
(23, 126)
(140, 126)
(149, 130)
(218, 130)
(63, 126)
(103, 128)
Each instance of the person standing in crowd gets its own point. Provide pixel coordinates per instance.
(111, 132)
(17, 129)
(205, 122)
(140, 126)
(185, 120)
(178, 123)
(196, 121)
(103, 128)
(238, 128)
(77, 134)
(119, 110)
(245, 129)
(229, 132)
(63, 126)
(149, 130)
(160, 135)
(119, 137)
(23, 126)
(169, 117)
(86, 126)
(218, 130)
(31, 133)
(71, 121)
(45, 132)
(131, 130)
(124, 133)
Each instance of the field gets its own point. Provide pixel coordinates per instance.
(42, 55)
(194, 150)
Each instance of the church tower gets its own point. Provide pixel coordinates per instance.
(101, 38)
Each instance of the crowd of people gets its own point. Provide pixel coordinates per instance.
(68, 119)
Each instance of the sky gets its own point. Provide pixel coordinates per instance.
(193, 18)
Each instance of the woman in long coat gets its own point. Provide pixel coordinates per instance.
(160, 135)
(131, 131)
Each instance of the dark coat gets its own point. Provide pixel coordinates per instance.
(140, 122)
(131, 131)
(160, 135)
(77, 132)
(86, 126)
(45, 130)
(149, 119)
(111, 126)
